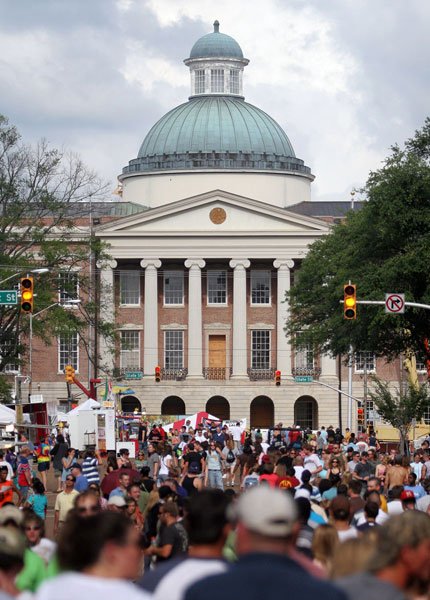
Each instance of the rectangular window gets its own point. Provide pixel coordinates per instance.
(6, 352)
(365, 361)
(173, 349)
(260, 287)
(68, 287)
(130, 350)
(68, 351)
(217, 81)
(234, 82)
(260, 349)
(129, 285)
(304, 357)
(421, 363)
(174, 288)
(217, 287)
(199, 81)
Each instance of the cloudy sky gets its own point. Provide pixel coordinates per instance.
(345, 78)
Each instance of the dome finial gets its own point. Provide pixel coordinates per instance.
(216, 26)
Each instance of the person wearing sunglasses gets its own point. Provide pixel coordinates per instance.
(87, 504)
(34, 530)
(64, 503)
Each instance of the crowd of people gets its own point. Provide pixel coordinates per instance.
(216, 509)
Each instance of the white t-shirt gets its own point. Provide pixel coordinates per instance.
(347, 534)
(395, 507)
(164, 462)
(70, 586)
(45, 549)
(176, 582)
(236, 432)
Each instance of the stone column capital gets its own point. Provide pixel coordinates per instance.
(107, 264)
(240, 262)
(150, 262)
(195, 262)
(283, 263)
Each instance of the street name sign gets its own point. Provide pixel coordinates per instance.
(303, 378)
(8, 297)
(133, 375)
(395, 303)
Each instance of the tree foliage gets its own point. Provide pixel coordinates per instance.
(400, 407)
(43, 191)
(384, 247)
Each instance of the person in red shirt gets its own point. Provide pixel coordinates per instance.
(24, 472)
(269, 476)
(287, 478)
(7, 488)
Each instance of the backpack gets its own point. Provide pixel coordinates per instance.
(230, 457)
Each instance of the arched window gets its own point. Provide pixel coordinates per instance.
(218, 407)
(306, 412)
(129, 404)
(262, 412)
(173, 405)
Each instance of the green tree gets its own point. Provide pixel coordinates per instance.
(44, 202)
(400, 407)
(383, 247)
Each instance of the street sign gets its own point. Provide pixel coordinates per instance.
(8, 297)
(303, 378)
(133, 375)
(395, 303)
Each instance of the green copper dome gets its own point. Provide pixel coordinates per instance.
(216, 124)
(216, 44)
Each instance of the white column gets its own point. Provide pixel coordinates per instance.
(239, 317)
(195, 332)
(283, 352)
(107, 310)
(328, 367)
(150, 316)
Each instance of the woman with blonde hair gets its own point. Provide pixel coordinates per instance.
(352, 556)
(324, 544)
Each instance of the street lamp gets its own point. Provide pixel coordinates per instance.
(35, 271)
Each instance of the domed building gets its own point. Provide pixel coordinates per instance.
(198, 276)
(216, 139)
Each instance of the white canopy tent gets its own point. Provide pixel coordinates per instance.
(7, 415)
(89, 404)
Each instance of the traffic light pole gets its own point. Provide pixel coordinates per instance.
(358, 400)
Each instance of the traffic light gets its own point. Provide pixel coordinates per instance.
(70, 373)
(27, 294)
(360, 418)
(157, 374)
(350, 301)
(277, 377)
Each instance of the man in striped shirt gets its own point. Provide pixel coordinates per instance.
(90, 466)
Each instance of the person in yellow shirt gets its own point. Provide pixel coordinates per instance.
(64, 503)
(374, 485)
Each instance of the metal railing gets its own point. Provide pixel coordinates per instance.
(217, 373)
(309, 371)
(261, 374)
(174, 374)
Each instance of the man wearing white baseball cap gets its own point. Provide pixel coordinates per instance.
(267, 526)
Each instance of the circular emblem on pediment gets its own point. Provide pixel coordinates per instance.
(217, 215)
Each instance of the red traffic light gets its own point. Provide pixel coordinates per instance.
(278, 377)
(360, 411)
(157, 374)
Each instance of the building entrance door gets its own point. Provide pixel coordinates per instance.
(217, 357)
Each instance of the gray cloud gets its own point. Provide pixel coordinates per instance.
(63, 76)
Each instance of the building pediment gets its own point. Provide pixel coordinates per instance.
(217, 213)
